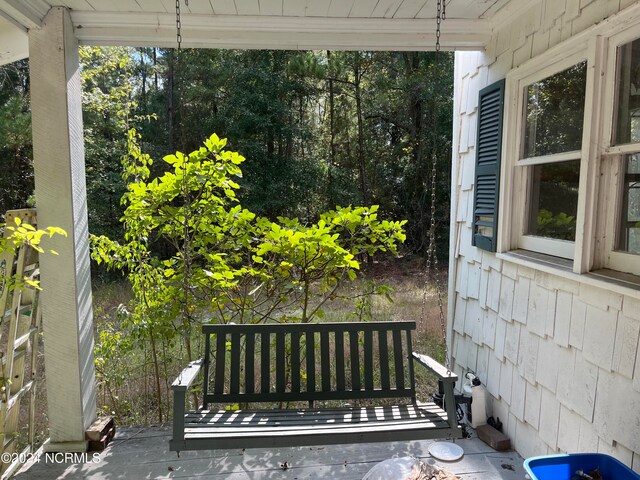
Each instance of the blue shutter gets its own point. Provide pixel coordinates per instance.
(487, 183)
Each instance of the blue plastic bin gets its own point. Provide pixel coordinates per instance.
(564, 467)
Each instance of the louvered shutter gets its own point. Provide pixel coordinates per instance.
(487, 184)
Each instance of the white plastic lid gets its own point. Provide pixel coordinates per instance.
(446, 451)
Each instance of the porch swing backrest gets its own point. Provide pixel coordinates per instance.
(279, 362)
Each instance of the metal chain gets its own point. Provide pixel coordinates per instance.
(179, 25)
(439, 18)
(432, 258)
(186, 247)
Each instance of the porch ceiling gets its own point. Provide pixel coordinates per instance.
(13, 42)
(278, 24)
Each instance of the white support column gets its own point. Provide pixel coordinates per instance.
(61, 200)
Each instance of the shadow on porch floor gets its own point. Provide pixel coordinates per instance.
(142, 453)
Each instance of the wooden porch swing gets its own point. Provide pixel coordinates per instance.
(322, 370)
(327, 363)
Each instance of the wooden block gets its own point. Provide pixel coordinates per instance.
(99, 428)
(492, 437)
(101, 444)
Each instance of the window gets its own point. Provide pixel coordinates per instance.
(623, 156)
(555, 112)
(552, 130)
(553, 200)
(629, 223)
(627, 117)
(570, 177)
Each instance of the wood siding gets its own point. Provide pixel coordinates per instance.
(558, 353)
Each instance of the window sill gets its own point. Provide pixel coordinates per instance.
(622, 283)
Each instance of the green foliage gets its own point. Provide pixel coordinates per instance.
(110, 82)
(235, 265)
(23, 234)
(561, 226)
(16, 181)
(363, 310)
(555, 105)
(264, 101)
(320, 129)
(112, 347)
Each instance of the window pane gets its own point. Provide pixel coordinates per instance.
(629, 237)
(555, 111)
(554, 200)
(627, 128)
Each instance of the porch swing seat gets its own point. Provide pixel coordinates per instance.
(324, 372)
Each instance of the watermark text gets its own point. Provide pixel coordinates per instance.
(51, 457)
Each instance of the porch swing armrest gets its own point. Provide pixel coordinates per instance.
(179, 387)
(447, 380)
(443, 374)
(188, 375)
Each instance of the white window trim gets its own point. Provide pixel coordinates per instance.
(612, 162)
(545, 159)
(617, 260)
(515, 170)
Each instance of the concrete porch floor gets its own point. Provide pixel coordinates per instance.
(142, 453)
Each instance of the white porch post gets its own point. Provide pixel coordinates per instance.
(61, 200)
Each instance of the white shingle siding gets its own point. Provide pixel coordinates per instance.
(626, 346)
(559, 357)
(563, 319)
(599, 336)
(568, 430)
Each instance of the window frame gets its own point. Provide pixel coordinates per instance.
(613, 161)
(517, 171)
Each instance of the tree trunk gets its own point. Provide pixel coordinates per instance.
(156, 367)
(143, 74)
(170, 100)
(421, 168)
(361, 153)
(332, 130)
(155, 68)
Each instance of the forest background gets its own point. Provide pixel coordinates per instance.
(318, 129)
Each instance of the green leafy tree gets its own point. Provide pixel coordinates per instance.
(227, 264)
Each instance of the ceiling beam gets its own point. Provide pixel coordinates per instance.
(14, 42)
(274, 32)
(27, 14)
